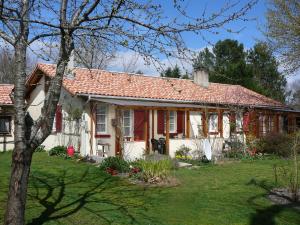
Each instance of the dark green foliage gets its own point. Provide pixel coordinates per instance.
(115, 163)
(174, 73)
(278, 144)
(58, 151)
(41, 148)
(256, 69)
(264, 68)
(182, 152)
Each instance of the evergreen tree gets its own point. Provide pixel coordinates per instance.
(256, 69)
(172, 73)
(264, 68)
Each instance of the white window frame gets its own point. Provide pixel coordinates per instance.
(210, 123)
(174, 130)
(106, 118)
(131, 118)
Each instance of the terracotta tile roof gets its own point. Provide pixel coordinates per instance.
(100, 82)
(5, 91)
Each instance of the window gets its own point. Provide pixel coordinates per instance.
(239, 122)
(101, 119)
(5, 125)
(127, 123)
(262, 125)
(213, 123)
(271, 123)
(173, 119)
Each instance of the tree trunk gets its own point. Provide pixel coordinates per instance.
(21, 157)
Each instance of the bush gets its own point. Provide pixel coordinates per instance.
(278, 144)
(235, 149)
(114, 163)
(58, 151)
(154, 171)
(183, 152)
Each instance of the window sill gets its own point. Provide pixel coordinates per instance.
(102, 135)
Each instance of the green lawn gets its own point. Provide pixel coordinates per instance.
(66, 192)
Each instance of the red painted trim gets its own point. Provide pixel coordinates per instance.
(102, 135)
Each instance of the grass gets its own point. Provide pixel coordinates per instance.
(65, 192)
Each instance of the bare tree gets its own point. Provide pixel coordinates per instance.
(283, 31)
(6, 66)
(140, 26)
(93, 52)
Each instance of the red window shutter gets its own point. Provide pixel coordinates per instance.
(180, 121)
(160, 122)
(58, 119)
(139, 117)
(246, 121)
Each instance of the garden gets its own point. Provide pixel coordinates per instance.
(72, 190)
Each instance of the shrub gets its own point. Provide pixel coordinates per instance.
(278, 144)
(154, 171)
(235, 150)
(41, 148)
(114, 163)
(58, 151)
(183, 152)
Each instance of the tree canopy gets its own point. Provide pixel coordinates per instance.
(257, 69)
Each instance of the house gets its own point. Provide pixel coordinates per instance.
(112, 113)
(6, 117)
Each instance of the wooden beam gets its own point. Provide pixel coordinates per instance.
(146, 131)
(220, 122)
(167, 131)
(152, 128)
(187, 124)
(201, 108)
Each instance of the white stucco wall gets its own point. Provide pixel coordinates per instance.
(36, 99)
(196, 146)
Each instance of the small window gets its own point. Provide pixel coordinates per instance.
(101, 119)
(239, 122)
(213, 122)
(127, 123)
(5, 125)
(173, 119)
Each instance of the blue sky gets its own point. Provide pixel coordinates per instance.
(251, 31)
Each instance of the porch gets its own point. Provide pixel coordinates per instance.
(127, 127)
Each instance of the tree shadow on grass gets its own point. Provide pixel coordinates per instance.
(267, 216)
(63, 195)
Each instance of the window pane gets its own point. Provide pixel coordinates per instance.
(172, 119)
(126, 113)
(4, 125)
(213, 123)
(101, 118)
(126, 131)
(126, 122)
(101, 109)
(100, 128)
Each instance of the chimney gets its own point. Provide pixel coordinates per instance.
(201, 78)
